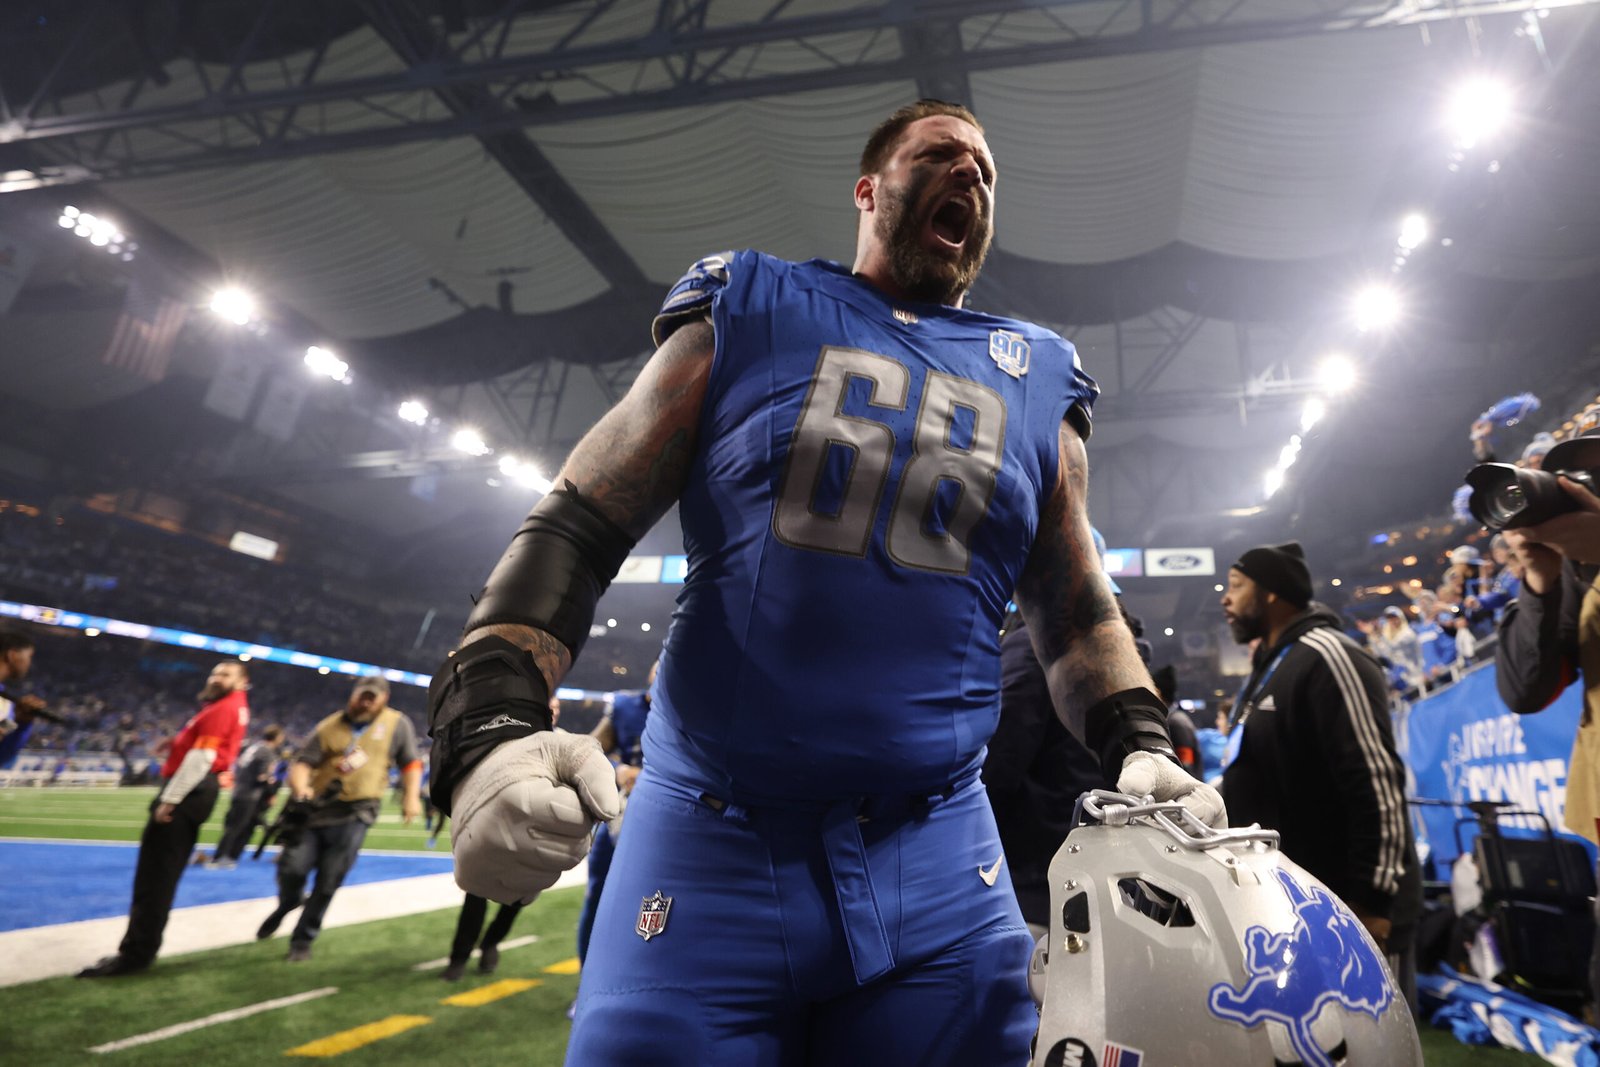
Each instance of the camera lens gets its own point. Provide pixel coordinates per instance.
(1504, 503)
(1506, 497)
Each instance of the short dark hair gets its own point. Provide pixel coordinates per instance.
(13, 641)
(272, 733)
(881, 145)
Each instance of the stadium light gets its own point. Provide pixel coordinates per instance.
(414, 412)
(1273, 480)
(469, 441)
(1376, 307)
(325, 363)
(1289, 453)
(102, 233)
(1337, 374)
(611, 623)
(1168, 631)
(235, 305)
(524, 473)
(1413, 231)
(645, 627)
(1312, 413)
(1479, 108)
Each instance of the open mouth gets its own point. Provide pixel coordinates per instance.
(952, 222)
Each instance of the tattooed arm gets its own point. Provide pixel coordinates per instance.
(1078, 634)
(1099, 685)
(632, 465)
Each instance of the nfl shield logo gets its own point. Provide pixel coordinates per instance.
(1010, 352)
(653, 915)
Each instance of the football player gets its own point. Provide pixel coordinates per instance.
(866, 470)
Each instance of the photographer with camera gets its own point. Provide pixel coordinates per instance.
(352, 749)
(204, 749)
(18, 711)
(1550, 634)
(253, 790)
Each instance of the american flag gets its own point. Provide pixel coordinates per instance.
(1121, 1056)
(145, 333)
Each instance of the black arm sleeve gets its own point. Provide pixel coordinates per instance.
(1537, 656)
(555, 570)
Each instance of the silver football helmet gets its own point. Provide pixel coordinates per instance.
(1175, 945)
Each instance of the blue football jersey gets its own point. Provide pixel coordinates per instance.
(865, 491)
(629, 709)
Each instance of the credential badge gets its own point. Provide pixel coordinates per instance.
(1010, 352)
(653, 915)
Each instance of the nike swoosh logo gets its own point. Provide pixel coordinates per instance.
(992, 873)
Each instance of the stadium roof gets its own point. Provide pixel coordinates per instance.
(478, 204)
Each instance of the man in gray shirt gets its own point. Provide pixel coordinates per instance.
(352, 749)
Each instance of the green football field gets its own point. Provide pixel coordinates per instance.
(119, 814)
(363, 1000)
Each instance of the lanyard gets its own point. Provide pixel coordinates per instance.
(356, 730)
(1245, 703)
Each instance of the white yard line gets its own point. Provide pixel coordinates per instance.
(52, 951)
(212, 1020)
(515, 942)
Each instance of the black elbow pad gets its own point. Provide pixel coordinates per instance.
(561, 560)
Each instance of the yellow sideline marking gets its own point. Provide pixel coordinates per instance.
(564, 967)
(476, 998)
(345, 1040)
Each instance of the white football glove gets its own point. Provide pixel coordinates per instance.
(1147, 774)
(527, 813)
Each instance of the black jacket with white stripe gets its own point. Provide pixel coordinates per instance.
(1318, 764)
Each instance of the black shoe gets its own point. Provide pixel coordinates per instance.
(270, 926)
(454, 971)
(113, 967)
(489, 959)
(298, 954)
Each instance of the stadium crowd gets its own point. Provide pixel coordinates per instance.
(87, 561)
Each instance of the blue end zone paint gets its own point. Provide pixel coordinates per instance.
(48, 883)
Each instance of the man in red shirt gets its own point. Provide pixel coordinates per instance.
(206, 747)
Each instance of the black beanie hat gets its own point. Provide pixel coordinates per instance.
(1279, 569)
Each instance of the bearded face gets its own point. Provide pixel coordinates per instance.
(224, 679)
(932, 204)
(1245, 607)
(937, 239)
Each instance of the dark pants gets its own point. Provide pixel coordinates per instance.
(164, 850)
(331, 850)
(473, 909)
(239, 822)
(1402, 957)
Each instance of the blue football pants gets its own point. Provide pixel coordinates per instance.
(806, 939)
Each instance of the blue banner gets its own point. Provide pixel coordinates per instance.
(1464, 744)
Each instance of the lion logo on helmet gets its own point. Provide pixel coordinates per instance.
(1325, 959)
